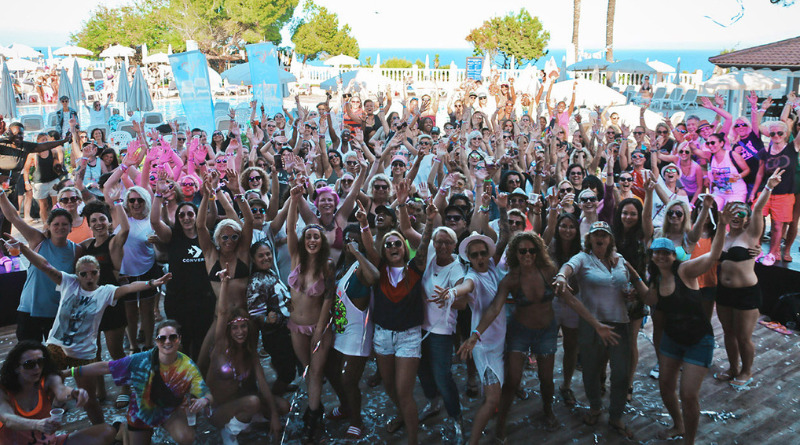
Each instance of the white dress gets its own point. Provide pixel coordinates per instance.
(488, 352)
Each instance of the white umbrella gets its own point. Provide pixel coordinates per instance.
(21, 65)
(374, 82)
(741, 80)
(145, 53)
(342, 59)
(169, 49)
(24, 51)
(156, 58)
(115, 51)
(629, 115)
(65, 88)
(5, 52)
(69, 62)
(139, 98)
(588, 93)
(77, 82)
(677, 80)
(661, 67)
(486, 70)
(72, 50)
(123, 87)
(8, 99)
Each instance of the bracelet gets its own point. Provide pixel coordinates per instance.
(487, 181)
(638, 278)
(123, 167)
(150, 283)
(484, 209)
(238, 196)
(158, 195)
(475, 331)
(213, 197)
(72, 372)
(119, 201)
(561, 274)
(364, 229)
(766, 187)
(437, 160)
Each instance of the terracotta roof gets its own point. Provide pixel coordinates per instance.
(775, 55)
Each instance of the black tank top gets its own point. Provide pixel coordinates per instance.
(44, 171)
(188, 267)
(103, 255)
(684, 321)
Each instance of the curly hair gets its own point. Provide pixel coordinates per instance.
(542, 260)
(9, 379)
(244, 179)
(587, 244)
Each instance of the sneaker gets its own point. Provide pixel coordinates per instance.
(431, 409)
(654, 373)
(768, 260)
(228, 438)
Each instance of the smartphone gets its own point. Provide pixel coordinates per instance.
(278, 162)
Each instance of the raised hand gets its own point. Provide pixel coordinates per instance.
(705, 102)
(402, 191)
(775, 179)
(361, 214)
(502, 200)
(753, 99)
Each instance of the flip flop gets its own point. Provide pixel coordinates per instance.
(122, 401)
(353, 432)
(622, 429)
(741, 384)
(590, 418)
(568, 396)
(394, 425)
(337, 414)
(723, 376)
(787, 257)
(668, 434)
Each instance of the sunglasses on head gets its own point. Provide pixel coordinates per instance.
(135, 200)
(392, 244)
(479, 254)
(30, 364)
(260, 210)
(171, 337)
(67, 199)
(185, 214)
(773, 133)
(233, 237)
(85, 273)
(677, 213)
(524, 251)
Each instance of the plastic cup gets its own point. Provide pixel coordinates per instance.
(57, 413)
(191, 418)
(13, 249)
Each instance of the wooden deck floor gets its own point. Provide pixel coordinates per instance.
(766, 413)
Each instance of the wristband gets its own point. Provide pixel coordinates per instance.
(475, 331)
(561, 274)
(487, 181)
(364, 229)
(638, 278)
(119, 201)
(150, 283)
(72, 372)
(123, 167)
(437, 160)
(238, 196)
(158, 195)
(213, 197)
(484, 209)
(766, 187)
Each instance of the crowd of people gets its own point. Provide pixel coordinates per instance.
(355, 229)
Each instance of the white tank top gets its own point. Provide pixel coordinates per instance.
(719, 174)
(139, 256)
(356, 340)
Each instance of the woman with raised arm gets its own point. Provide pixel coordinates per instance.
(166, 386)
(687, 348)
(398, 318)
(29, 387)
(738, 292)
(236, 377)
(39, 300)
(312, 285)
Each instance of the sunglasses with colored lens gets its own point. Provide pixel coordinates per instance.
(185, 215)
(524, 251)
(774, 133)
(741, 125)
(677, 213)
(380, 187)
(260, 210)
(740, 214)
(637, 156)
(221, 161)
(187, 184)
(681, 131)
(85, 273)
(135, 200)
(171, 337)
(454, 218)
(589, 199)
(67, 199)
(255, 178)
(392, 244)
(671, 170)
(31, 364)
(479, 254)
(233, 237)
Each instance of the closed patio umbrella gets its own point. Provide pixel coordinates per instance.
(8, 100)
(139, 98)
(77, 83)
(65, 88)
(123, 88)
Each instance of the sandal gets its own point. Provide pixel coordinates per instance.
(122, 401)
(522, 394)
(337, 414)
(724, 376)
(568, 396)
(353, 432)
(591, 417)
(622, 429)
(394, 425)
(787, 257)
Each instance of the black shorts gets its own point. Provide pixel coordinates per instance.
(154, 273)
(741, 298)
(114, 317)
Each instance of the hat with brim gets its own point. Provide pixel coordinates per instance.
(662, 244)
(703, 123)
(398, 158)
(518, 191)
(600, 226)
(475, 236)
(670, 165)
(387, 210)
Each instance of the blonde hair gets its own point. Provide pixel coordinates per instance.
(227, 222)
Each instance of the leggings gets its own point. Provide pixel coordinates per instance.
(194, 324)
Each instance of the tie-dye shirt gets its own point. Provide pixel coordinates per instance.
(182, 377)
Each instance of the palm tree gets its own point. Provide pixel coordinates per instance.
(576, 21)
(612, 6)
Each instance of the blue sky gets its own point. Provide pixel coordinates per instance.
(445, 23)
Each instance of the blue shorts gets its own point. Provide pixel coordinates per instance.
(520, 338)
(700, 353)
(406, 343)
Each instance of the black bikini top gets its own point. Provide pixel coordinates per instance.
(736, 254)
(242, 271)
(548, 295)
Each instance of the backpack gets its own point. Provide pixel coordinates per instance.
(787, 310)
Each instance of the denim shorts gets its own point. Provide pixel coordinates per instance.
(540, 341)
(700, 353)
(406, 343)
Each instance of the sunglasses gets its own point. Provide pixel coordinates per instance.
(185, 214)
(506, 137)
(516, 200)
(30, 364)
(260, 210)
(638, 133)
(662, 132)
(392, 244)
(568, 190)
(681, 131)
(398, 164)
(454, 218)
(380, 187)
(672, 170)
(85, 273)
(424, 143)
(741, 125)
(255, 178)
(181, 139)
(773, 133)
(530, 250)
(347, 181)
(626, 179)
(352, 163)
(684, 152)
(576, 173)
(171, 337)
(188, 184)
(589, 199)
(313, 127)
(233, 237)
(479, 254)
(637, 156)
(135, 200)
(677, 213)
(221, 161)
(516, 222)
(740, 214)
(67, 199)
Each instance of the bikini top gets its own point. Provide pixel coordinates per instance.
(736, 254)
(547, 296)
(338, 242)
(227, 371)
(316, 289)
(242, 270)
